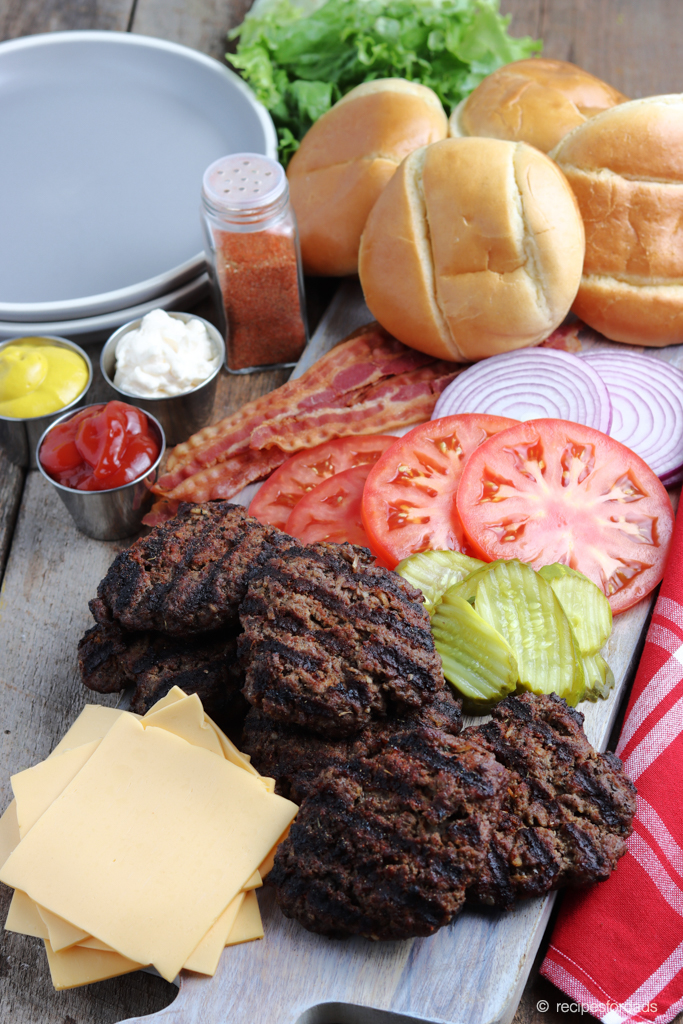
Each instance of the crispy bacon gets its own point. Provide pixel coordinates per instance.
(396, 402)
(566, 337)
(368, 356)
(220, 481)
(369, 384)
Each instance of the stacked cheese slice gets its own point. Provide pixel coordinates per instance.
(140, 841)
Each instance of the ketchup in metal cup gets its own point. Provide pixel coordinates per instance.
(101, 447)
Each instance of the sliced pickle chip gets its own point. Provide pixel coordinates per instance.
(584, 604)
(433, 572)
(467, 588)
(599, 678)
(522, 606)
(477, 660)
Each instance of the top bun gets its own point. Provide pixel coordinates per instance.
(536, 101)
(475, 247)
(626, 169)
(345, 160)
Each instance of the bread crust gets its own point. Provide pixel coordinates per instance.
(537, 101)
(474, 248)
(626, 169)
(345, 161)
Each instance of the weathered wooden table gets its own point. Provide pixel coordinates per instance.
(636, 45)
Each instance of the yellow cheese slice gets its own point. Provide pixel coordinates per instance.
(9, 832)
(93, 723)
(186, 718)
(183, 806)
(61, 934)
(77, 966)
(254, 882)
(204, 958)
(248, 925)
(36, 788)
(92, 943)
(23, 917)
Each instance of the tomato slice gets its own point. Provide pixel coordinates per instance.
(330, 513)
(409, 500)
(549, 491)
(306, 469)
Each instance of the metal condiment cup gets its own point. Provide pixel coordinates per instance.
(19, 437)
(181, 415)
(111, 514)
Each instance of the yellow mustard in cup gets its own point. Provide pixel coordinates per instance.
(38, 378)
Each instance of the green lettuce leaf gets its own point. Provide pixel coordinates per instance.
(299, 61)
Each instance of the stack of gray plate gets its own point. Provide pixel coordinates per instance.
(105, 138)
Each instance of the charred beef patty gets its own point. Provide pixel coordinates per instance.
(568, 810)
(189, 575)
(386, 846)
(296, 758)
(111, 659)
(331, 640)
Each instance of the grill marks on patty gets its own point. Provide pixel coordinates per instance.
(331, 640)
(189, 575)
(568, 810)
(386, 846)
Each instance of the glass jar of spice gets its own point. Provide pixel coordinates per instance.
(254, 261)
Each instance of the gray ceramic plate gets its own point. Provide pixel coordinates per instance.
(105, 137)
(96, 328)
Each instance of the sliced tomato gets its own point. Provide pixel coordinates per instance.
(298, 476)
(552, 491)
(330, 513)
(409, 500)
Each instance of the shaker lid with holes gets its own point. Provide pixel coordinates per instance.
(244, 181)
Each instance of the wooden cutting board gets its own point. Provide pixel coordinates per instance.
(472, 972)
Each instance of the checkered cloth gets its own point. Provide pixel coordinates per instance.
(617, 947)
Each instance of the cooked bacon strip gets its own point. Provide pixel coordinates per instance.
(368, 356)
(220, 481)
(566, 337)
(400, 401)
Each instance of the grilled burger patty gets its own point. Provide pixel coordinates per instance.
(331, 640)
(111, 659)
(189, 575)
(569, 810)
(386, 846)
(296, 758)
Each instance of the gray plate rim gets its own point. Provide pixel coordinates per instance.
(143, 291)
(191, 291)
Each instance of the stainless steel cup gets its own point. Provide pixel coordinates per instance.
(112, 514)
(20, 437)
(182, 415)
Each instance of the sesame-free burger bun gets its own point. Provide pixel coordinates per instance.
(474, 248)
(536, 101)
(626, 169)
(345, 160)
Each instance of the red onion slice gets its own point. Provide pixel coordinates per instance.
(529, 384)
(647, 403)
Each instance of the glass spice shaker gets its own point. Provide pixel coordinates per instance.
(252, 246)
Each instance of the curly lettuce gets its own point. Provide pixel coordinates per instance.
(300, 61)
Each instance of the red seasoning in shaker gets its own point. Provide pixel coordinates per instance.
(255, 263)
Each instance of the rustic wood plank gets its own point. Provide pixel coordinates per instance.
(11, 487)
(27, 17)
(202, 24)
(636, 47)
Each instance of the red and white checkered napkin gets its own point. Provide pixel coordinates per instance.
(617, 947)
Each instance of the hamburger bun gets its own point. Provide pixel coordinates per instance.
(626, 169)
(345, 160)
(474, 248)
(536, 101)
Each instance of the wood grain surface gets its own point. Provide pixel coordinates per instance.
(637, 45)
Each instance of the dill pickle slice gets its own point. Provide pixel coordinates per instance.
(477, 660)
(467, 588)
(433, 572)
(523, 607)
(599, 678)
(584, 604)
